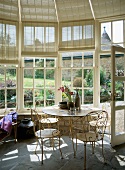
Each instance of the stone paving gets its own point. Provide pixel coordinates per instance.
(21, 156)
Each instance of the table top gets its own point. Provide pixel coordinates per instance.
(56, 111)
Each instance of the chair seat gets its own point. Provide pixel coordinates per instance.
(47, 133)
(89, 136)
(95, 123)
(49, 120)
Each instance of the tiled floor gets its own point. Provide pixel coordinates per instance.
(21, 156)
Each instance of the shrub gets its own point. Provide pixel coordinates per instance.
(77, 82)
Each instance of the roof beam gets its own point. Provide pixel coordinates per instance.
(56, 11)
(19, 10)
(90, 3)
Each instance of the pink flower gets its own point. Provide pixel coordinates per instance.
(62, 89)
(67, 91)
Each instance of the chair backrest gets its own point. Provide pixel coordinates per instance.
(40, 120)
(98, 121)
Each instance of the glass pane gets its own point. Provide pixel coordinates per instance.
(11, 98)
(119, 90)
(119, 122)
(77, 59)
(106, 47)
(66, 77)
(105, 78)
(28, 98)
(2, 98)
(28, 78)
(39, 35)
(117, 31)
(11, 35)
(66, 33)
(87, 31)
(11, 77)
(39, 62)
(88, 77)
(50, 34)
(50, 78)
(39, 78)
(50, 97)
(50, 62)
(2, 78)
(119, 64)
(28, 35)
(106, 33)
(88, 96)
(66, 60)
(77, 78)
(39, 97)
(88, 59)
(106, 36)
(77, 32)
(28, 62)
(2, 33)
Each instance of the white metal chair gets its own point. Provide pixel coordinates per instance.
(42, 133)
(92, 131)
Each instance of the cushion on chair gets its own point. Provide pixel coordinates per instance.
(89, 136)
(47, 133)
(49, 120)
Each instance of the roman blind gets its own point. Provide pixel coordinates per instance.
(8, 42)
(77, 35)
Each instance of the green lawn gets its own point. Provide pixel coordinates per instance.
(28, 82)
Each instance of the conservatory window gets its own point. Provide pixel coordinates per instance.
(39, 82)
(8, 86)
(77, 73)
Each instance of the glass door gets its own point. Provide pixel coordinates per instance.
(117, 95)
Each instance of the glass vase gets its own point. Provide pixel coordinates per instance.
(70, 104)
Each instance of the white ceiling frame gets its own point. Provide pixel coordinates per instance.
(61, 10)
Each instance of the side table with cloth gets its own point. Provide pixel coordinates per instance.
(6, 124)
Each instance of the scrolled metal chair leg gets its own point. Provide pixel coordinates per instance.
(42, 149)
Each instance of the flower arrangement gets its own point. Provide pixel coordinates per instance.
(66, 90)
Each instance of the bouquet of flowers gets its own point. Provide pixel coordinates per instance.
(66, 90)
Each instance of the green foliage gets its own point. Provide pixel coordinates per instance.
(79, 73)
(102, 76)
(49, 74)
(2, 95)
(11, 93)
(89, 92)
(39, 73)
(89, 78)
(88, 74)
(12, 72)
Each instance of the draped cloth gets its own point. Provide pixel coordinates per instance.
(6, 122)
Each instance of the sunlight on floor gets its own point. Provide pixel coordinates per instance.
(12, 152)
(121, 159)
(11, 157)
(37, 157)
